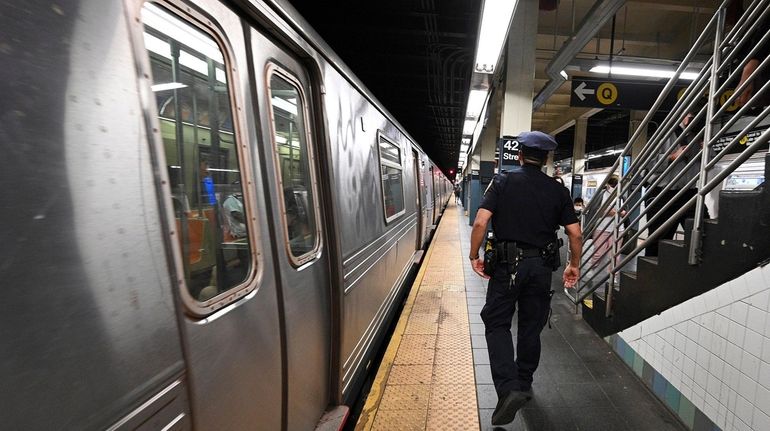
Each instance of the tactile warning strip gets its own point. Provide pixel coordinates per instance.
(426, 380)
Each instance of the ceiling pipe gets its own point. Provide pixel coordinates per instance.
(591, 24)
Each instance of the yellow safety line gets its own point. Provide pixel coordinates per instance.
(372, 405)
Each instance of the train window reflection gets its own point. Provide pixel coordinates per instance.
(191, 91)
(392, 178)
(293, 157)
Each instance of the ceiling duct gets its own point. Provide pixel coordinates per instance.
(594, 20)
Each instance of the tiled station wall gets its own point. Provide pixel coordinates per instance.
(708, 358)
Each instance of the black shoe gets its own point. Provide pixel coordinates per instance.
(506, 408)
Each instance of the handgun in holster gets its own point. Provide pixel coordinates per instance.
(490, 254)
(551, 255)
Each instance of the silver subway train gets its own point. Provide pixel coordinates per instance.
(206, 222)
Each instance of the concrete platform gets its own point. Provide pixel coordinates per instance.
(435, 374)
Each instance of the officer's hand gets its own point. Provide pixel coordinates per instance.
(478, 267)
(571, 274)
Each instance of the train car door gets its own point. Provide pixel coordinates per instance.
(286, 102)
(434, 194)
(217, 213)
(418, 182)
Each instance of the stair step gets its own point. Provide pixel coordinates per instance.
(630, 274)
(674, 242)
(731, 245)
(652, 260)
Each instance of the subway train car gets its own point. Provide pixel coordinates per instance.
(207, 219)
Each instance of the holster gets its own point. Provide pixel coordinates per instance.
(509, 254)
(490, 255)
(550, 253)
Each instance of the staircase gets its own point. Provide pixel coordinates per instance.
(732, 245)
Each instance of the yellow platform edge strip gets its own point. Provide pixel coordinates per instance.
(372, 405)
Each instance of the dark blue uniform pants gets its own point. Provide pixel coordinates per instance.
(531, 291)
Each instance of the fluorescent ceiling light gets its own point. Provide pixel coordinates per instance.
(643, 71)
(167, 86)
(605, 153)
(284, 105)
(166, 23)
(475, 103)
(464, 148)
(469, 127)
(466, 140)
(564, 75)
(495, 20)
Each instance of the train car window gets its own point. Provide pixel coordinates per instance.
(293, 157)
(196, 125)
(392, 175)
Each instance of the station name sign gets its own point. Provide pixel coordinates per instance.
(509, 151)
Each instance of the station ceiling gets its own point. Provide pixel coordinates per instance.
(416, 56)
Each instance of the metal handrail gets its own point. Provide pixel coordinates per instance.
(689, 99)
(664, 93)
(638, 177)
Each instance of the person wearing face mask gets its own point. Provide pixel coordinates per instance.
(578, 205)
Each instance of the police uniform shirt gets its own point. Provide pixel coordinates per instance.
(528, 206)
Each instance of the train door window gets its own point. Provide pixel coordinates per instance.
(392, 175)
(294, 161)
(196, 125)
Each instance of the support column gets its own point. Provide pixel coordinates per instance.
(474, 189)
(486, 161)
(579, 156)
(635, 121)
(550, 169)
(520, 70)
(636, 118)
(579, 146)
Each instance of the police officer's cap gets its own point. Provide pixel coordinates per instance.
(539, 140)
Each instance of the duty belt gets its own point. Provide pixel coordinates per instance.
(511, 251)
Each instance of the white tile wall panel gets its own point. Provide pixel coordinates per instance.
(760, 421)
(765, 349)
(756, 319)
(715, 349)
(764, 376)
(753, 343)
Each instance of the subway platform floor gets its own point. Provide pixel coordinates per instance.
(435, 374)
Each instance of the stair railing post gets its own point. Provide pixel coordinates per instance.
(615, 228)
(696, 237)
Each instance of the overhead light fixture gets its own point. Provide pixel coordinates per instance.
(469, 127)
(564, 75)
(168, 24)
(495, 20)
(167, 86)
(284, 105)
(464, 148)
(466, 140)
(647, 72)
(475, 103)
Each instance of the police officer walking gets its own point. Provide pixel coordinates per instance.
(526, 207)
